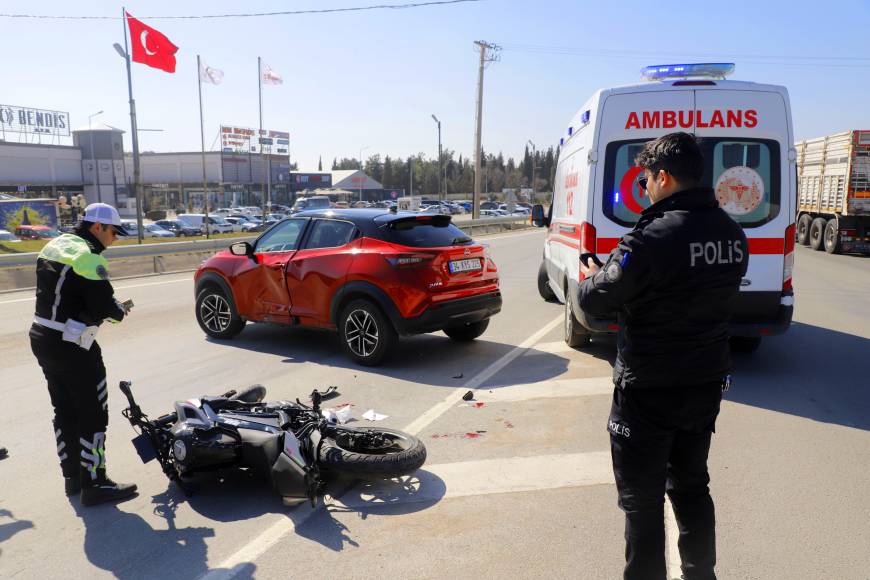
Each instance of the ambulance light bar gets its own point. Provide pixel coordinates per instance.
(717, 70)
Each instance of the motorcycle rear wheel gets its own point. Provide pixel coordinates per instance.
(346, 455)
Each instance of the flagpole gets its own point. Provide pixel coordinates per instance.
(202, 141)
(133, 127)
(260, 134)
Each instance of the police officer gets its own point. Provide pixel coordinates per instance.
(672, 281)
(73, 298)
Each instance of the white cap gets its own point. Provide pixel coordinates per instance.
(103, 213)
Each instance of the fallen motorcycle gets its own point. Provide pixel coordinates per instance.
(291, 444)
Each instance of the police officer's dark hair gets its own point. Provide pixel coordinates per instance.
(84, 226)
(676, 153)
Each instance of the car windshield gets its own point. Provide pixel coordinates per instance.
(743, 172)
(47, 233)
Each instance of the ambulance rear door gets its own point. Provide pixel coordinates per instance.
(628, 121)
(746, 139)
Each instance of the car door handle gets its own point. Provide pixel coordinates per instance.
(278, 265)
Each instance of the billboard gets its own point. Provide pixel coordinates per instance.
(236, 140)
(14, 119)
(22, 212)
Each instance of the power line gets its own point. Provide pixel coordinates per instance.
(763, 59)
(248, 15)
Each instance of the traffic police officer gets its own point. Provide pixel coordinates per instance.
(672, 281)
(73, 298)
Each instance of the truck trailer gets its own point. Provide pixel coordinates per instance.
(834, 192)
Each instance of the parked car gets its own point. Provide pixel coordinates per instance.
(489, 205)
(8, 237)
(216, 224)
(178, 227)
(370, 274)
(36, 232)
(309, 203)
(155, 231)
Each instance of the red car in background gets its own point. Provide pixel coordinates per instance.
(371, 274)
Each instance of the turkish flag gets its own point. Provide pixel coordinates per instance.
(150, 46)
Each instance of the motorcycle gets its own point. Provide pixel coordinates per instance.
(291, 444)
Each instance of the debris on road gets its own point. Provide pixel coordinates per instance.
(468, 396)
(370, 415)
(459, 376)
(340, 414)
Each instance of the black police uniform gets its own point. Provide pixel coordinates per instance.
(72, 283)
(672, 281)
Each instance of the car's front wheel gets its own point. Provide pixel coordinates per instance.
(367, 335)
(216, 314)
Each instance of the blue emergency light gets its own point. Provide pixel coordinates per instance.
(717, 70)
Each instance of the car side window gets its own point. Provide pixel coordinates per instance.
(282, 238)
(330, 234)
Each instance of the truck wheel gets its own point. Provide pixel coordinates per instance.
(803, 229)
(817, 234)
(832, 237)
(575, 334)
(544, 284)
(744, 343)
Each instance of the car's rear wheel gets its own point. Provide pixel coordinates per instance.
(467, 332)
(367, 335)
(575, 335)
(216, 314)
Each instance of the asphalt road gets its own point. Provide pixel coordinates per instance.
(528, 494)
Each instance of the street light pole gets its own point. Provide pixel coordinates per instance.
(94, 157)
(440, 162)
(361, 149)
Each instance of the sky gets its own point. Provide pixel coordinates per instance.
(372, 79)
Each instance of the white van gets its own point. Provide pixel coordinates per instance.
(217, 224)
(746, 137)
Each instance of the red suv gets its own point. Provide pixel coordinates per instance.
(371, 274)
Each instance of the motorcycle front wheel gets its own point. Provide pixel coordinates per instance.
(371, 452)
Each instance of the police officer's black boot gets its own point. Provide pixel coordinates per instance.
(72, 485)
(101, 489)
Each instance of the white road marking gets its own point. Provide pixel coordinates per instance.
(285, 526)
(429, 416)
(672, 535)
(116, 289)
(550, 348)
(485, 477)
(548, 389)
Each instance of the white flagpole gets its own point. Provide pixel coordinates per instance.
(202, 140)
(134, 130)
(260, 134)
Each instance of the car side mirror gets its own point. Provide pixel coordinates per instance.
(242, 249)
(538, 217)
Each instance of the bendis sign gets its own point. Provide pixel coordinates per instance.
(692, 119)
(27, 120)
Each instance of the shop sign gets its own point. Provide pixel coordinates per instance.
(14, 119)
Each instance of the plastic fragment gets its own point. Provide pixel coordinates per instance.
(371, 415)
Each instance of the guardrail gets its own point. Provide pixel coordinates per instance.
(479, 226)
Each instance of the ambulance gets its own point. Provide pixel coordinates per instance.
(745, 130)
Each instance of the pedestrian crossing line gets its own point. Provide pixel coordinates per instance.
(582, 387)
(485, 477)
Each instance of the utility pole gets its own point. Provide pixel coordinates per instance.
(488, 53)
(440, 162)
(534, 154)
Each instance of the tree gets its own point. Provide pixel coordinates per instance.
(334, 164)
(320, 163)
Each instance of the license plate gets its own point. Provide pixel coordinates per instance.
(465, 265)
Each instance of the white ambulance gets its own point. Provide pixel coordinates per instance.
(746, 137)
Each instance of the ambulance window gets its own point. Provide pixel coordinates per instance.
(623, 197)
(745, 176)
